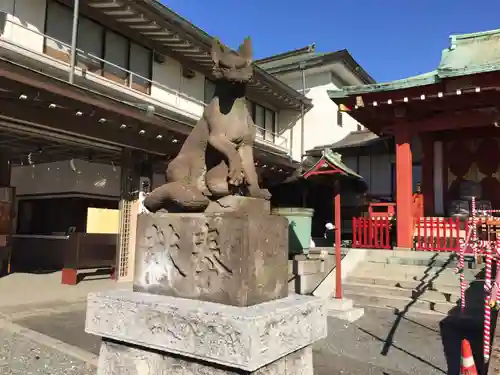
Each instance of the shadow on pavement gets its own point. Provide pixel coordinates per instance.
(68, 327)
(467, 325)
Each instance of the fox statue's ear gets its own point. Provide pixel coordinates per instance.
(217, 50)
(245, 49)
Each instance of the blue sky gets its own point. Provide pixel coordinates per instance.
(390, 39)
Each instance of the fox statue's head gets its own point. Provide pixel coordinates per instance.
(232, 66)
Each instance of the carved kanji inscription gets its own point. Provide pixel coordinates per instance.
(207, 261)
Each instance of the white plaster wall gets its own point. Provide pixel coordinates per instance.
(27, 13)
(172, 87)
(66, 177)
(320, 123)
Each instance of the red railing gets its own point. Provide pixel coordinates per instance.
(439, 233)
(381, 209)
(371, 233)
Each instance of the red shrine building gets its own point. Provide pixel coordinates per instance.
(454, 113)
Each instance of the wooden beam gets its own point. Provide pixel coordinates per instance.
(457, 120)
(65, 121)
(43, 82)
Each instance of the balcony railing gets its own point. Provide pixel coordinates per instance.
(134, 83)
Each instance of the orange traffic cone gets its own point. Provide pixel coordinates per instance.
(467, 365)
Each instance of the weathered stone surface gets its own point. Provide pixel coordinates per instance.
(228, 258)
(241, 204)
(246, 338)
(117, 358)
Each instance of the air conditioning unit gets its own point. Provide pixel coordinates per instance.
(158, 58)
(188, 73)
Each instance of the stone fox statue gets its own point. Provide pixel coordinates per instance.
(216, 160)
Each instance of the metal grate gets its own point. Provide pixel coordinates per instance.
(125, 216)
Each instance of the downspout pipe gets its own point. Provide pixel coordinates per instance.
(74, 35)
(302, 67)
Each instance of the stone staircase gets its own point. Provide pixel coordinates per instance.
(413, 282)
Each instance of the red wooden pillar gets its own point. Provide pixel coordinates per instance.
(404, 189)
(338, 255)
(427, 182)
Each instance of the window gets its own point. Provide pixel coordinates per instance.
(265, 121)
(141, 63)
(116, 53)
(97, 43)
(260, 120)
(340, 118)
(209, 91)
(270, 125)
(90, 39)
(59, 26)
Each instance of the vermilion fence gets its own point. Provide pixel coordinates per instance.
(371, 232)
(439, 233)
(430, 233)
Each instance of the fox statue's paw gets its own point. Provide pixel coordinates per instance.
(259, 193)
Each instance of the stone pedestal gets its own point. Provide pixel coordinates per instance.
(210, 297)
(146, 334)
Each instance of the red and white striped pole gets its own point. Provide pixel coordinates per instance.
(460, 270)
(495, 291)
(474, 225)
(487, 308)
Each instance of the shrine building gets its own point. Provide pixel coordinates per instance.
(454, 112)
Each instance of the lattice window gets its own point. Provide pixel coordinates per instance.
(125, 216)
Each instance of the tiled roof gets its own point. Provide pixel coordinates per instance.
(335, 159)
(467, 54)
(353, 139)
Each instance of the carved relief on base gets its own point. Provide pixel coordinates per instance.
(136, 361)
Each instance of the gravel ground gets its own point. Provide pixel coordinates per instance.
(21, 356)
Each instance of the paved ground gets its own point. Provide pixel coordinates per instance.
(22, 355)
(49, 338)
(351, 349)
(30, 289)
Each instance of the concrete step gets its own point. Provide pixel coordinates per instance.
(425, 295)
(400, 303)
(415, 258)
(439, 285)
(414, 312)
(410, 272)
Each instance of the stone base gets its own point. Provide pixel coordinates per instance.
(248, 338)
(344, 309)
(118, 358)
(234, 203)
(232, 258)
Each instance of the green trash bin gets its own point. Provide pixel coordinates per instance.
(299, 227)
